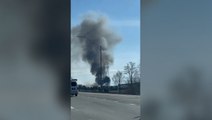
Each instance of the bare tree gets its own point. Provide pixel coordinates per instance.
(130, 70)
(118, 79)
(137, 75)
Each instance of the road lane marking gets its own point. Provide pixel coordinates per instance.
(73, 108)
(132, 104)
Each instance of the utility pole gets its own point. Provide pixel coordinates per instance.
(100, 55)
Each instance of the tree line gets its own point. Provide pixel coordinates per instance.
(130, 77)
(126, 81)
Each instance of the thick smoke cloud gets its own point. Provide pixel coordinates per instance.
(87, 38)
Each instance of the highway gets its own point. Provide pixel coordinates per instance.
(97, 106)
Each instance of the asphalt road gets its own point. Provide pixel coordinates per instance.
(97, 106)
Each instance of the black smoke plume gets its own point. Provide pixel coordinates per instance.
(87, 38)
